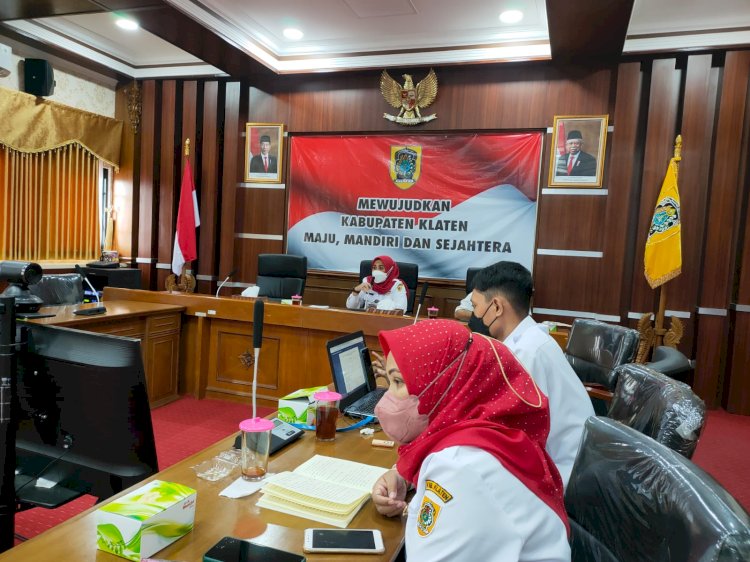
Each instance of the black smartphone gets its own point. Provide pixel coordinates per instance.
(230, 549)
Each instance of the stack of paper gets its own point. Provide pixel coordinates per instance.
(323, 489)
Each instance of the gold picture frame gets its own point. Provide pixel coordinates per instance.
(260, 169)
(577, 151)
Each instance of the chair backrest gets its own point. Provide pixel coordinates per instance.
(636, 500)
(408, 273)
(63, 288)
(662, 408)
(671, 362)
(281, 275)
(595, 348)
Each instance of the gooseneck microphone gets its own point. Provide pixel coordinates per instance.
(94, 309)
(258, 311)
(225, 280)
(421, 299)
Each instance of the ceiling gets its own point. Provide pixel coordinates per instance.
(242, 38)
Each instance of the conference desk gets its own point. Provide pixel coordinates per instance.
(156, 325)
(216, 516)
(216, 349)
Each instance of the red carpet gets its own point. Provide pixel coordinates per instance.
(188, 425)
(723, 454)
(181, 428)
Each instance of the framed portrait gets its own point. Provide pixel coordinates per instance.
(577, 155)
(264, 152)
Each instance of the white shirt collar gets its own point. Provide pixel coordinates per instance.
(519, 330)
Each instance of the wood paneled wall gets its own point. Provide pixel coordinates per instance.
(703, 96)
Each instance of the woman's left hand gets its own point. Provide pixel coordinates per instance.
(388, 494)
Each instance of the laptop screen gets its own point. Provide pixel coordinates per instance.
(345, 355)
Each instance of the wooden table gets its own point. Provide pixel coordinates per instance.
(156, 325)
(216, 516)
(217, 332)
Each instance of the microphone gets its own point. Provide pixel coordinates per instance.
(421, 300)
(225, 280)
(258, 311)
(92, 310)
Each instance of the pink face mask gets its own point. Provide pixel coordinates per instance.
(400, 417)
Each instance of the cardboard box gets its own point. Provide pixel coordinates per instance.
(295, 407)
(143, 522)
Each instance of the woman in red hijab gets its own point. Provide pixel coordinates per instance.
(382, 289)
(472, 426)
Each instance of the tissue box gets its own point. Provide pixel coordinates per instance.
(295, 407)
(144, 521)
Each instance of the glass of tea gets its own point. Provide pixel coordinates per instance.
(256, 442)
(326, 414)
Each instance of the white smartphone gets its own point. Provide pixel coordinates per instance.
(358, 541)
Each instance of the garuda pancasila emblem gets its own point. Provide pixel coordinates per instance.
(409, 98)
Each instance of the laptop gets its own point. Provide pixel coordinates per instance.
(353, 376)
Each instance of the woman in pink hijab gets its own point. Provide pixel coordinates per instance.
(472, 426)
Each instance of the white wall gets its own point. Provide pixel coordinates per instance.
(70, 89)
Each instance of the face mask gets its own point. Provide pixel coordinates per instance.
(481, 318)
(379, 276)
(400, 417)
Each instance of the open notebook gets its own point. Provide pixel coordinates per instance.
(323, 489)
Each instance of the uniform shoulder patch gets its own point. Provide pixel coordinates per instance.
(438, 490)
(400, 287)
(428, 515)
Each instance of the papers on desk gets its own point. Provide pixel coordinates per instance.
(323, 489)
(241, 488)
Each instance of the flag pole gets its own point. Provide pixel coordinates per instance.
(187, 163)
(659, 330)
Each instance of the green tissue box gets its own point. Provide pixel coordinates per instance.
(295, 407)
(143, 522)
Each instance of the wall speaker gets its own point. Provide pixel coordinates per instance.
(38, 78)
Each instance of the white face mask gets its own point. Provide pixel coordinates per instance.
(379, 276)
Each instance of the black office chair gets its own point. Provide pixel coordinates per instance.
(281, 275)
(632, 499)
(672, 362)
(408, 273)
(664, 409)
(594, 350)
(56, 289)
(470, 274)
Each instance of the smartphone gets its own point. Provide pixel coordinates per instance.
(357, 541)
(230, 549)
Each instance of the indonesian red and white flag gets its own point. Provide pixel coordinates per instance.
(188, 219)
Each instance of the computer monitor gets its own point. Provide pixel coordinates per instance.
(84, 418)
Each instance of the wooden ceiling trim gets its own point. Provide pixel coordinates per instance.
(588, 31)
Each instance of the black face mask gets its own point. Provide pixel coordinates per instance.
(479, 320)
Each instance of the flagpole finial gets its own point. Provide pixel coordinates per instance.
(678, 148)
(187, 147)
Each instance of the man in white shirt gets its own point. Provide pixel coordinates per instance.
(501, 299)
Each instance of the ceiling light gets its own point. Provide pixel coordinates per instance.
(293, 34)
(127, 24)
(511, 16)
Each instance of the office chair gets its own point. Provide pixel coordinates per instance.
(662, 408)
(408, 273)
(65, 288)
(631, 499)
(470, 274)
(281, 275)
(671, 362)
(594, 350)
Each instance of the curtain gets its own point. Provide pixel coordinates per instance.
(49, 204)
(31, 124)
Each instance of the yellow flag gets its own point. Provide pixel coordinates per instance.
(663, 256)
